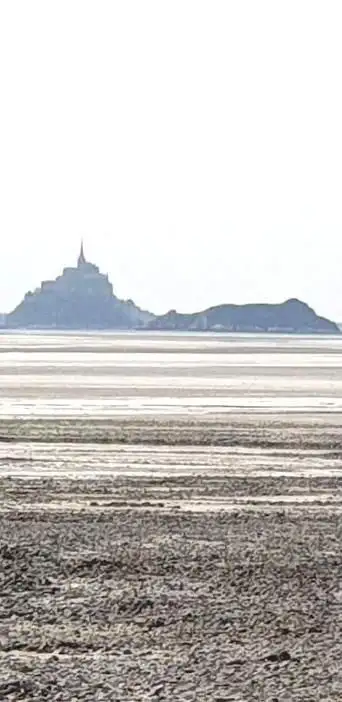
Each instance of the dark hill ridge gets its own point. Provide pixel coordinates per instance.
(292, 316)
(82, 298)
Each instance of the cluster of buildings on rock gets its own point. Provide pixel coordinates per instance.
(82, 297)
(86, 277)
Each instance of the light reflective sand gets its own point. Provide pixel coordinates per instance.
(142, 374)
(170, 517)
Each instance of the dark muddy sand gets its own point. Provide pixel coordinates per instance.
(202, 565)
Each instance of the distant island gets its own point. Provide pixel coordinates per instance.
(82, 298)
(292, 316)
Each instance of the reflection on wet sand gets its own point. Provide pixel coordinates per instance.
(170, 517)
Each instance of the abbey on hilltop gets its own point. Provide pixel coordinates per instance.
(81, 298)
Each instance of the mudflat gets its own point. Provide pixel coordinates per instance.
(175, 545)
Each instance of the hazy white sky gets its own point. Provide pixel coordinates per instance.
(195, 145)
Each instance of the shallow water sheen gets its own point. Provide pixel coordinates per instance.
(127, 374)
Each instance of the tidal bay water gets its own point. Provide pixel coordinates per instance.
(98, 375)
(133, 404)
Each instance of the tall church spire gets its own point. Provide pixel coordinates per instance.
(81, 259)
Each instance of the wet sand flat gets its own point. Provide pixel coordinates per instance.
(170, 550)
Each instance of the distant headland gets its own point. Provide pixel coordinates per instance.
(82, 298)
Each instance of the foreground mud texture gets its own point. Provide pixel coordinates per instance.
(210, 585)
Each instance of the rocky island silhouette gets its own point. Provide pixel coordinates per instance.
(82, 298)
